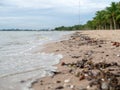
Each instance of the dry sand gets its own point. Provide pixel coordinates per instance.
(78, 47)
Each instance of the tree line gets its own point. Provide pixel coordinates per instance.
(106, 19)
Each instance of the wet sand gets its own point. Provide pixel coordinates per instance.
(95, 52)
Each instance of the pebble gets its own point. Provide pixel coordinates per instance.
(59, 87)
(67, 81)
(58, 81)
(88, 87)
(66, 85)
(104, 86)
(103, 79)
(99, 46)
(22, 81)
(118, 55)
(77, 74)
(72, 86)
(82, 77)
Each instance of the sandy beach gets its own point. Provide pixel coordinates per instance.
(91, 61)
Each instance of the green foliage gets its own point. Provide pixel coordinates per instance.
(109, 18)
(76, 27)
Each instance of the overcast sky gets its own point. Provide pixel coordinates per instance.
(37, 14)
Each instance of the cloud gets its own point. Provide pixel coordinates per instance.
(68, 5)
(48, 12)
(65, 6)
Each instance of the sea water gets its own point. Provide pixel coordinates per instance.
(19, 63)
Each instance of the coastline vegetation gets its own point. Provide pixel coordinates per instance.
(107, 19)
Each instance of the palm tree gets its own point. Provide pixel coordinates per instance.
(118, 15)
(100, 19)
(104, 19)
(112, 11)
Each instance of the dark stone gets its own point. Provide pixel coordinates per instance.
(34, 82)
(22, 81)
(59, 87)
(107, 55)
(99, 46)
(58, 81)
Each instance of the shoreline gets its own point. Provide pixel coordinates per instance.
(77, 48)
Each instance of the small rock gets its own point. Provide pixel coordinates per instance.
(104, 86)
(34, 82)
(22, 81)
(59, 87)
(63, 63)
(67, 80)
(70, 71)
(88, 87)
(103, 79)
(118, 55)
(66, 85)
(99, 46)
(72, 86)
(107, 55)
(77, 74)
(58, 81)
(57, 50)
(82, 77)
(102, 52)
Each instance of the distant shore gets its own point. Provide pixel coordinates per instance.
(93, 47)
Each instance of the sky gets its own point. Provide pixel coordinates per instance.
(47, 14)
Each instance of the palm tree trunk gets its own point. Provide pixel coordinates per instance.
(99, 27)
(105, 27)
(114, 23)
(111, 26)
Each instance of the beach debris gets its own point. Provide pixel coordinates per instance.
(118, 55)
(79, 39)
(75, 56)
(34, 82)
(59, 87)
(84, 63)
(57, 50)
(116, 44)
(22, 81)
(72, 86)
(82, 77)
(67, 80)
(104, 86)
(101, 75)
(66, 85)
(77, 74)
(99, 46)
(58, 81)
(55, 72)
(97, 74)
(63, 63)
